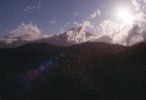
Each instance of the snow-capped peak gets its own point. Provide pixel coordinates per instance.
(77, 35)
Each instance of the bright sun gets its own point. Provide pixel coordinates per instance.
(125, 16)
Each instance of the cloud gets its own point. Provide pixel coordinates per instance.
(118, 33)
(121, 33)
(52, 22)
(87, 24)
(115, 32)
(28, 32)
(139, 5)
(136, 4)
(110, 31)
(77, 35)
(140, 18)
(144, 35)
(63, 29)
(135, 35)
(24, 32)
(5, 40)
(95, 14)
(30, 8)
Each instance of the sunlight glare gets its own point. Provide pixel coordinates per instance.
(125, 16)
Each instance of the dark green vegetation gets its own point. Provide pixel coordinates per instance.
(89, 71)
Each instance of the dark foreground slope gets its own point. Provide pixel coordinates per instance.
(89, 71)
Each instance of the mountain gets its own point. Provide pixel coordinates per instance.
(70, 37)
(88, 71)
(25, 55)
(17, 43)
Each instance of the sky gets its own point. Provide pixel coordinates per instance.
(116, 19)
(49, 15)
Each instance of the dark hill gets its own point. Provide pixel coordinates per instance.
(89, 71)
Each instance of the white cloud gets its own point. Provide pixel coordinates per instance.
(76, 24)
(79, 34)
(116, 31)
(139, 4)
(76, 36)
(28, 32)
(140, 17)
(95, 14)
(107, 31)
(119, 33)
(136, 4)
(30, 8)
(135, 35)
(52, 22)
(125, 34)
(87, 24)
(63, 29)
(24, 32)
(7, 40)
